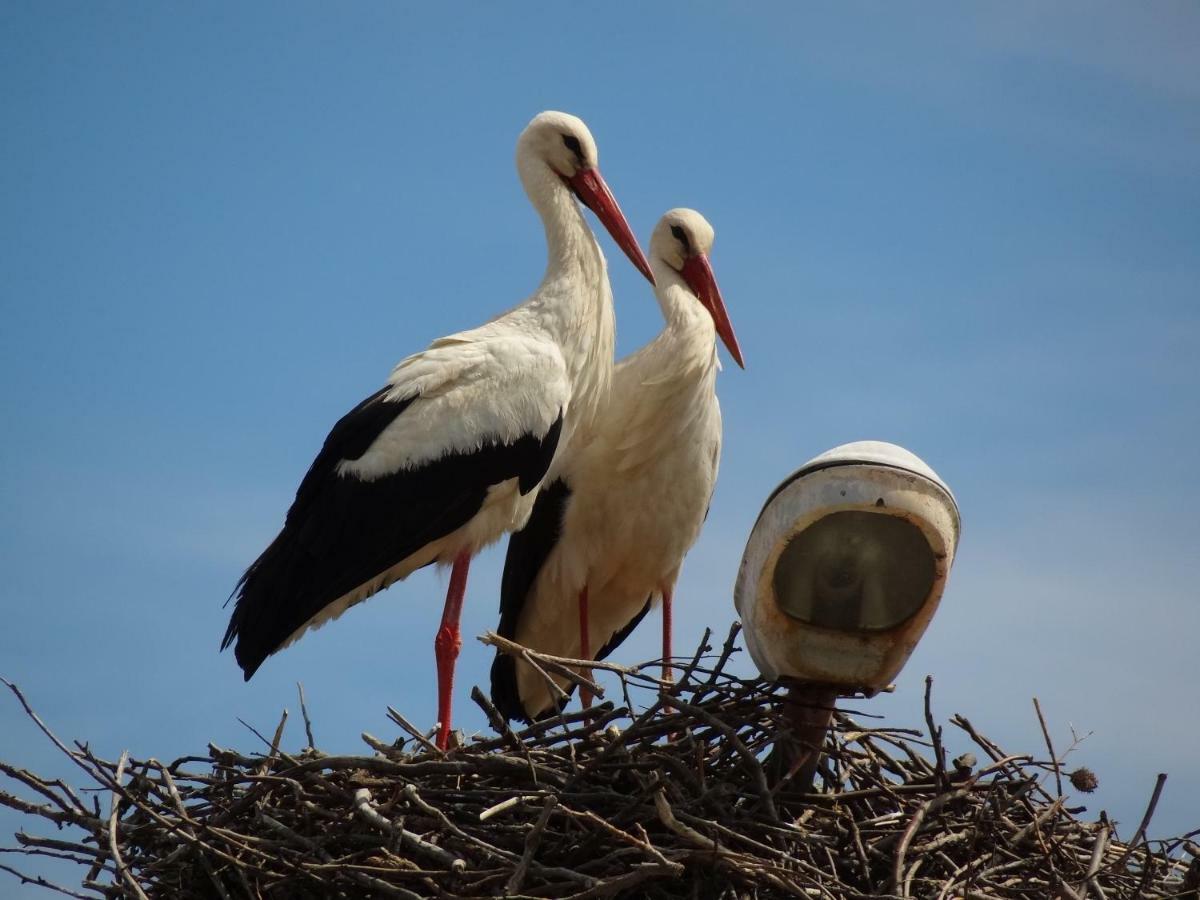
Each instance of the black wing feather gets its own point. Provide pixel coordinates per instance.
(528, 550)
(619, 638)
(341, 532)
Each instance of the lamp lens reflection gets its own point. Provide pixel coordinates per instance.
(854, 571)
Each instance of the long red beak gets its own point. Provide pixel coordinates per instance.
(589, 187)
(698, 273)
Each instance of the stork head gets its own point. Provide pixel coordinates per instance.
(564, 145)
(681, 242)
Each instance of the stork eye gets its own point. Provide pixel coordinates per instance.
(573, 145)
(681, 236)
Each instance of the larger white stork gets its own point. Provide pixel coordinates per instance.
(609, 535)
(449, 454)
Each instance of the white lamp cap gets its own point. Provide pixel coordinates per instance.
(880, 453)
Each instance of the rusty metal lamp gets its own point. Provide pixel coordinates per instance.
(840, 576)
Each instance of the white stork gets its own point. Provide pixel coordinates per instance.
(609, 534)
(449, 454)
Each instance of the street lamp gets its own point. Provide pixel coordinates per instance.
(842, 572)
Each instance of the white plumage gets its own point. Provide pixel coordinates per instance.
(448, 456)
(634, 495)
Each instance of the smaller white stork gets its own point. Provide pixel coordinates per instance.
(447, 456)
(609, 535)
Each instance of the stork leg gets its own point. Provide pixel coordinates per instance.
(668, 673)
(448, 642)
(585, 650)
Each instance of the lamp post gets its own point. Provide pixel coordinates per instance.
(840, 576)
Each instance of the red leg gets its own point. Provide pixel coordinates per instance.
(447, 644)
(668, 673)
(585, 650)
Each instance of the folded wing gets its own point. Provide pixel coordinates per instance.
(409, 465)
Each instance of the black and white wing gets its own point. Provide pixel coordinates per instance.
(410, 465)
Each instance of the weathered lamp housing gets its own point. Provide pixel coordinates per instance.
(846, 566)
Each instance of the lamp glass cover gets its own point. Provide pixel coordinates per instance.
(855, 570)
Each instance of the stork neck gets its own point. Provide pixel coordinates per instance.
(690, 330)
(572, 251)
(574, 302)
(680, 307)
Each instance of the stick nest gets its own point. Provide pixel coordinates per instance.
(679, 799)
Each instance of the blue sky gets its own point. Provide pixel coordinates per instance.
(973, 231)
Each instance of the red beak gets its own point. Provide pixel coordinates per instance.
(589, 187)
(698, 273)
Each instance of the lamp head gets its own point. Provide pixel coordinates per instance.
(846, 566)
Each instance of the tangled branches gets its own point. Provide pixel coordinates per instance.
(681, 799)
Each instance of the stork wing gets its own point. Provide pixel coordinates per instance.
(409, 465)
(625, 630)
(528, 550)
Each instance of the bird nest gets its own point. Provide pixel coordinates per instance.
(681, 798)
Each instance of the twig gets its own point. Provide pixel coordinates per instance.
(414, 732)
(532, 841)
(39, 881)
(935, 735)
(113, 843)
(1146, 817)
(752, 763)
(363, 804)
(304, 712)
(1058, 786)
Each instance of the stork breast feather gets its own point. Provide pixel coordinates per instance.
(659, 419)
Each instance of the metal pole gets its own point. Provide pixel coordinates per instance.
(807, 710)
